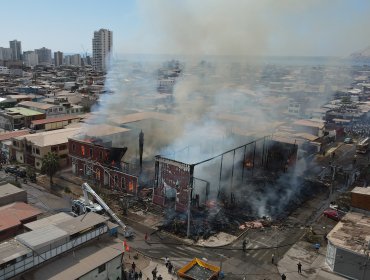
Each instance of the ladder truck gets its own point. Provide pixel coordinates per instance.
(85, 205)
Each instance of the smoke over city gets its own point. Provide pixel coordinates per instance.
(218, 102)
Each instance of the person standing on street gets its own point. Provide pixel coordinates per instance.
(283, 277)
(154, 273)
(273, 258)
(299, 267)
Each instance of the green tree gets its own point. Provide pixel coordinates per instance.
(50, 165)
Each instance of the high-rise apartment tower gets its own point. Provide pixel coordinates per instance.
(16, 48)
(102, 45)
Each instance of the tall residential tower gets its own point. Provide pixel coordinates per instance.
(16, 48)
(102, 45)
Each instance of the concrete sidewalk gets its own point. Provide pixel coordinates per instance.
(146, 265)
(313, 263)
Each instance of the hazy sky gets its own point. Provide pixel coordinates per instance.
(240, 27)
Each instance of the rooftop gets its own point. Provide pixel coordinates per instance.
(39, 105)
(100, 130)
(53, 120)
(141, 116)
(13, 214)
(82, 261)
(49, 138)
(20, 96)
(361, 190)
(42, 237)
(12, 134)
(8, 189)
(310, 123)
(352, 232)
(12, 249)
(51, 220)
(24, 111)
(77, 224)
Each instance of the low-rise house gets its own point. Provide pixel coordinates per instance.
(54, 123)
(5, 141)
(49, 110)
(18, 118)
(32, 148)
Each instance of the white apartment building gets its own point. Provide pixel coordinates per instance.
(30, 58)
(102, 45)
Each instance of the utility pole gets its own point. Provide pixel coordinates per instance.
(189, 205)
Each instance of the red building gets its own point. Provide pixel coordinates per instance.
(97, 160)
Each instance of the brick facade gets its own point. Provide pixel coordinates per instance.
(96, 160)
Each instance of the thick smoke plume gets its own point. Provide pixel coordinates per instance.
(219, 102)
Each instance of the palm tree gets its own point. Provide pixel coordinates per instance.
(50, 165)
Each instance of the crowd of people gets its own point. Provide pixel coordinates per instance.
(358, 129)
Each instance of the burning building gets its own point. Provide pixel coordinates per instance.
(93, 155)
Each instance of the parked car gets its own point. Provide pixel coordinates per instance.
(333, 214)
(348, 140)
(15, 170)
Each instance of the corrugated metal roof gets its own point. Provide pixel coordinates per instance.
(42, 237)
(81, 223)
(51, 220)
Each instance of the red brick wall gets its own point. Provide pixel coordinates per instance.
(82, 150)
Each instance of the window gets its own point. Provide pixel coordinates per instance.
(54, 149)
(37, 151)
(62, 147)
(101, 268)
(60, 109)
(50, 110)
(83, 150)
(73, 147)
(37, 164)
